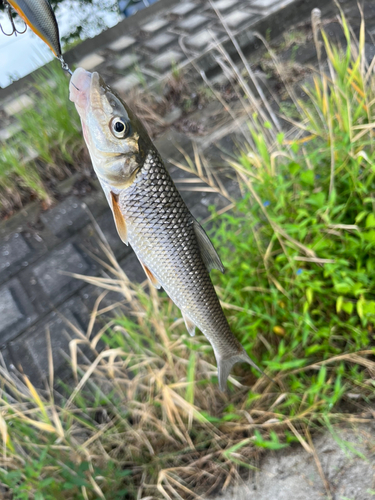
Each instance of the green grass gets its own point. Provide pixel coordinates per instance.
(299, 249)
(49, 132)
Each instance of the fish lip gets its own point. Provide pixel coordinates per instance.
(96, 91)
(80, 83)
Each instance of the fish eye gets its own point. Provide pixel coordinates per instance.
(119, 127)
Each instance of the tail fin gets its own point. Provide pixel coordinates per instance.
(224, 367)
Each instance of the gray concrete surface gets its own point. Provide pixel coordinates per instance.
(292, 474)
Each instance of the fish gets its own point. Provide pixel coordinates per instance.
(150, 215)
(39, 16)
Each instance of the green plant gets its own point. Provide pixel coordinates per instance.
(47, 147)
(300, 252)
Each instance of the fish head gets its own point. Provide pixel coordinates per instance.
(117, 141)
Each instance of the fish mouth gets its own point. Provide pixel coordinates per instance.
(79, 90)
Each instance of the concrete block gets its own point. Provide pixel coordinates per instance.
(154, 26)
(237, 18)
(18, 104)
(184, 8)
(9, 310)
(193, 23)
(160, 42)
(200, 41)
(73, 312)
(16, 312)
(22, 359)
(107, 225)
(122, 43)
(126, 83)
(10, 131)
(49, 273)
(165, 61)
(126, 61)
(225, 5)
(133, 269)
(91, 61)
(263, 4)
(66, 218)
(14, 250)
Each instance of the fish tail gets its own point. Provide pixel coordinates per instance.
(224, 366)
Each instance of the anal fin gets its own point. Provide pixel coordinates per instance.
(190, 326)
(150, 276)
(209, 254)
(119, 219)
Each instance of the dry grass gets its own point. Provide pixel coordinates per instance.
(145, 418)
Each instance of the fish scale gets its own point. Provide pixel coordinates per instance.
(164, 240)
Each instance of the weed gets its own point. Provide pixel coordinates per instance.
(300, 252)
(50, 133)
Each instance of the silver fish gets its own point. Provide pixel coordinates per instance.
(149, 213)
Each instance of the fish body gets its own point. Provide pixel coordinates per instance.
(39, 16)
(150, 214)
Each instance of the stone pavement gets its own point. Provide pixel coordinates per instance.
(346, 459)
(39, 249)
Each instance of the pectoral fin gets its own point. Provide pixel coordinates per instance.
(208, 252)
(150, 276)
(190, 326)
(119, 219)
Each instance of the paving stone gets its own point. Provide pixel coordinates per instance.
(13, 250)
(165, 61)
(200, 41)
(133, 269)
(74, 312)
(126, 61)
(107, 225)
(66, 218)
(91, 61)
(184, 8)
(127, 82)
(369, 52)
(160, 42)
(193, 23)
(238, 17)
(154, 26)
(16, 312)
(49, 273)
(89, 295)
(122, 43)
(224, 5)
(263, 4)
(23, 360)
(18, 104)
(8, 132)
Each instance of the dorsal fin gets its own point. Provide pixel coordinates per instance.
(150, 276)
(190, 326)
(119, 219)
(208, 252)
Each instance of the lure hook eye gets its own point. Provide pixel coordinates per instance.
(66, 68)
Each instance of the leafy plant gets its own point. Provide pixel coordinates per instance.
(299, 294)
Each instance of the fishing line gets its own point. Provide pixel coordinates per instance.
(66, 68)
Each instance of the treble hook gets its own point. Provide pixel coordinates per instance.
(14, 27)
